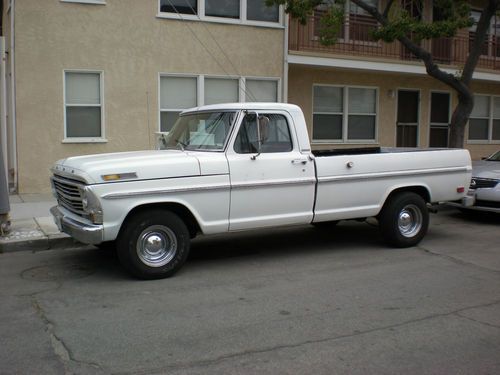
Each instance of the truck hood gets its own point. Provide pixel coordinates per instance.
(486, 169)
(137, 165)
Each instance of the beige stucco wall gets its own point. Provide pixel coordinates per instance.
(302, 79)
(126, 40)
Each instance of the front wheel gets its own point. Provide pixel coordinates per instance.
(404, 219)
(153, 244)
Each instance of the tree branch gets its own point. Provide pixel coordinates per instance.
(387, 8)
(481, 33)
(421, 53)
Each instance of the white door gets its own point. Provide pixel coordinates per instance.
(275, 186)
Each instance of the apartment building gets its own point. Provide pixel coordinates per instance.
(94, 76)
(364, 92)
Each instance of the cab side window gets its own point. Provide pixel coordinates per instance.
(274, 133)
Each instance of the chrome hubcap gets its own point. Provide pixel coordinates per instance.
(156, 246)
(410, 220)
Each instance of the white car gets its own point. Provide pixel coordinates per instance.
(484, 190)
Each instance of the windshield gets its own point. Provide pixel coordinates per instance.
(200, 131)
(494, 157)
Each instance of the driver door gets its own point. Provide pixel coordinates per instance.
(272, 182)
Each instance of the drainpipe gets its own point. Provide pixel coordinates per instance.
(285, 60)
(3, 106)
(13, 148)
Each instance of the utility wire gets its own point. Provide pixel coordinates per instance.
(245, 90)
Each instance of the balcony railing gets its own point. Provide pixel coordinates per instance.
(354, 40)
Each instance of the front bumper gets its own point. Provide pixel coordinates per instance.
(91, 234)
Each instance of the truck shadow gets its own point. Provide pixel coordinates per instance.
(103, 264)
(282, 241)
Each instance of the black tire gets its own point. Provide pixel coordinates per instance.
(404, 219)
(153, 244)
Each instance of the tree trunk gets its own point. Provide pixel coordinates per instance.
(459, 120)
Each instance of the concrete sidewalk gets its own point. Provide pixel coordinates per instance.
(32, 226)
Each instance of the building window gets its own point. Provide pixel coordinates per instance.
(484, 122)
(235, 10)
(176, 94)
(344, 114)
(221, 90)
(179, 6)
(257, 90)
(440, 119)
(257, 10)
(222, 8)
(83, 105)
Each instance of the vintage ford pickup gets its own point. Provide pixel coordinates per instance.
(233, 167)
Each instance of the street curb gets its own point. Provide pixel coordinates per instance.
(41, 243)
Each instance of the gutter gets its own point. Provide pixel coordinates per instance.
(13, 151)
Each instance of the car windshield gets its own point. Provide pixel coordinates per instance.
(205, 131)
(494, 157)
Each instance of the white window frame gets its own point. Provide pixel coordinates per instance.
(94, 2)
(345, 116)
(102, 138)
(242, 20)
(200, 87)
(490, 119)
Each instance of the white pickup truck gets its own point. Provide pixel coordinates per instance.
(233, 167)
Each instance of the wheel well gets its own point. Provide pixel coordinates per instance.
(420, 190)
(182, 211)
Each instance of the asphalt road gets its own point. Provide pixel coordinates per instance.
(288, 301)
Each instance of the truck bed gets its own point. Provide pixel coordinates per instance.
(370, 150)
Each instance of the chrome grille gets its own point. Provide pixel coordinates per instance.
(483, 183)
(68, 194)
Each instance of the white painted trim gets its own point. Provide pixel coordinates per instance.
(379, 66)
(102, 138)
(93, 2)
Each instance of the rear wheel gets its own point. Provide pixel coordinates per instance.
(153, 244)
(404, 219)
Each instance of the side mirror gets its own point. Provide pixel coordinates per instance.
(263, 129)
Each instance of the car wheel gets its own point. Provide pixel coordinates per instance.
(404, 219)
(153, 244)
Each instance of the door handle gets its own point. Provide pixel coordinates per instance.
(299, 161)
